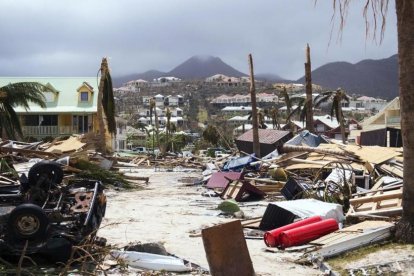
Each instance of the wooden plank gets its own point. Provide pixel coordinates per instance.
(393, 170)
(27, 151)
(378, 197)
(252, 223)
(226, 250)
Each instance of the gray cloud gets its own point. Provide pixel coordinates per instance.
(53, 38)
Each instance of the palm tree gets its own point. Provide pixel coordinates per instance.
(256, 140)
(274, 113)
(152, 107)
(211, 134)
(167, 127)
(308, 105)
(298, 108)
(287, 101)
(15, 94)
(405, 25)
(105, 106)
(336, 98)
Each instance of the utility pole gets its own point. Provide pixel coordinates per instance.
(309, 104)
(256, 142)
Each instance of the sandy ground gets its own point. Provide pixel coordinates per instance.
(168, 212)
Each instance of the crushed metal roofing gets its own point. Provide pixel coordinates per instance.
(306, 138)
(327, 120)
(266, 136)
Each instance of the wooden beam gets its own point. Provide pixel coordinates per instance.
(27, 151)
(375, 198)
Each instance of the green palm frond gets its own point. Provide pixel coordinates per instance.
(21, 93)
(18, 94)
(108, 103)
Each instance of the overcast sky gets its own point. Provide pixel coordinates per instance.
(69, 38)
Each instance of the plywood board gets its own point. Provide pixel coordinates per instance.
(69, 145)
(226, 250)
(352, 237)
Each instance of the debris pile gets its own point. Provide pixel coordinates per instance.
(324, 197)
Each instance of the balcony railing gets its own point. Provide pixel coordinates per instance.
(43, 131)
(393, 120)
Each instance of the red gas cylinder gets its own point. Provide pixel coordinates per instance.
(272, 238)
(303, 234)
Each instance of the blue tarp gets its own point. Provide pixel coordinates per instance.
(238, 164)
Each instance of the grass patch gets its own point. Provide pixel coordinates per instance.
(339, 263)
(109, 178)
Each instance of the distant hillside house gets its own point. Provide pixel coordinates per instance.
(295, 87)
(164, 81)
(163, 101)
(262, 99)
(239, 120)
(221, 80)
(237, 109)
(137, 83)
(367, 103)
(71, 107)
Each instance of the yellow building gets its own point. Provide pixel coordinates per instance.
(71, 107)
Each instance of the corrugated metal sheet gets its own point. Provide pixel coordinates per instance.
(269, 139)
(266, 136)
(218, 179)
(305, 138)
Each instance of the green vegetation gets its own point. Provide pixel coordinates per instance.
(93, 171)
(15, 94)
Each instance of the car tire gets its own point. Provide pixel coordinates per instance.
(27, 222)
(52, 169)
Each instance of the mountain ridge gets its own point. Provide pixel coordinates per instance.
(370, 77)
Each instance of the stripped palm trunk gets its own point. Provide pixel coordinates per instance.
(309, 105)
(255, 123)
(100, 114)
(405, 25)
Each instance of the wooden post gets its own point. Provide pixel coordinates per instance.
(309, 104)
(255, 123)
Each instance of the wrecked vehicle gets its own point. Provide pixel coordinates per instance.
(47, 216)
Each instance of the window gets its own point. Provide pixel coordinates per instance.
(31, 120)
(84, 96)
(48, 120)
(49, 96)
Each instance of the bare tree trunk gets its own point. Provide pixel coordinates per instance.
(341, 123)
(156, 125)
(309, 105)
(256, 142)
(405, 23)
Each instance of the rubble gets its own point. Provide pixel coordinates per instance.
(361, 182)
(301, 177)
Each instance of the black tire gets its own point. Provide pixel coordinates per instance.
(27, 222)
(51, 169)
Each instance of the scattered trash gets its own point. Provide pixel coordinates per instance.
(151, 261)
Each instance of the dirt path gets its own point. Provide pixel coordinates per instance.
(168, 212)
